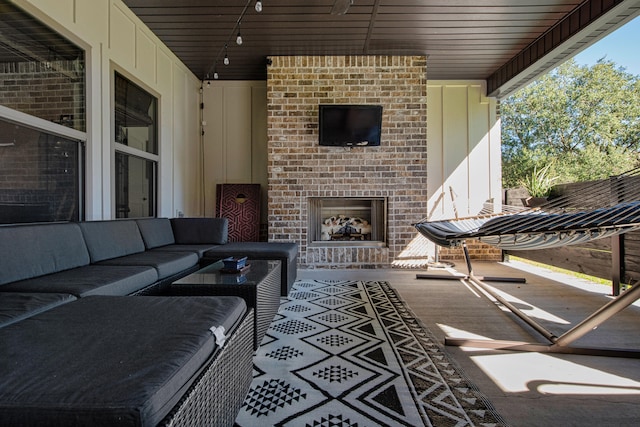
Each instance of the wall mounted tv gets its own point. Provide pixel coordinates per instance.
(349, 125)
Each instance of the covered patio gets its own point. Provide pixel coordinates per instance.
(493, 48)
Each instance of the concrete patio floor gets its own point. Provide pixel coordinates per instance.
(527, 389)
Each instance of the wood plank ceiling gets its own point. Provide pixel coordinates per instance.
(463, 39)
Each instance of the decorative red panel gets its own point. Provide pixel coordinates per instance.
(240, 204)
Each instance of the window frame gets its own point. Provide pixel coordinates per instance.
(43, 125)
(48, 126)
(54, 129)
(118, 147)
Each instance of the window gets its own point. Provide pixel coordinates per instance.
(41, 176)
(135, 186)
(42, 121)
(136, 156)
(41, 73)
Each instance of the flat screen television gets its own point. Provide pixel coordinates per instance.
(349, 125)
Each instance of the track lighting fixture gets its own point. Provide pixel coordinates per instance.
(239, 40)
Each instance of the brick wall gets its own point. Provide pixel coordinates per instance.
(299, 168)
(40, 176)
(48, 91)
(478, 251)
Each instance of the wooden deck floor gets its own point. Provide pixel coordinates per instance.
(528, 389)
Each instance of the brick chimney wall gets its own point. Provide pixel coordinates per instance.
(299, 168)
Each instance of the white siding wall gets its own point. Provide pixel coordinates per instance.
(463, 146)
(115, 39)
(235, 137)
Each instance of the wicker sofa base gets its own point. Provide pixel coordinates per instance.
(217, 395)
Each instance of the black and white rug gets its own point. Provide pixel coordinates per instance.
(350, 353)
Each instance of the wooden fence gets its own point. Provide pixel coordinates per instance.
(616, 259)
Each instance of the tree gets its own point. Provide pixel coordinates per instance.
(583, 121)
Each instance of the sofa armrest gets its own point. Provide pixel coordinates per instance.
(194, 231)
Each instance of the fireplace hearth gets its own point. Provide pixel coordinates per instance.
(347, 221)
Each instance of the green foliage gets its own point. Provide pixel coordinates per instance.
(583, 120)
(539, 182)
(592, 163)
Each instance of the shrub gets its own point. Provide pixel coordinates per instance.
(539, 182)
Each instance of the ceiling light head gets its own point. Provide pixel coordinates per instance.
(258, 6)
(341, 7)
(226, 57)
(239, 39)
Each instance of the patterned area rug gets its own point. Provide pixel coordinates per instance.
(351, 353)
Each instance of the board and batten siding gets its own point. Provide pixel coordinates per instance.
(464, 158)
(235, 138)
(115, 39)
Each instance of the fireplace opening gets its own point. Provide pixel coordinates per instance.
(348, 221)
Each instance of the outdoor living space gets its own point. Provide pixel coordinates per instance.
(138, 113)
(527, 388)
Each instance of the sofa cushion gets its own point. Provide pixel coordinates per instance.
(189, 231)
(108, 361)
(257, 250)
(166, 263)
(90, 280)
(156, 232)
(197, 249)
(33, 250)
(15, 306)
(111, 239)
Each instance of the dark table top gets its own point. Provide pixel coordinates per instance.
(213, 275)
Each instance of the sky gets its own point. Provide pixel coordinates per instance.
(621, 47)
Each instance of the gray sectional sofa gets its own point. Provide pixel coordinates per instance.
(89, 339)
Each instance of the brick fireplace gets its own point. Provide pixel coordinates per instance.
(347, 221)
(392, 177)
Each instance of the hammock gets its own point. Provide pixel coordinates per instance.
(599, 209)
(536, 229)
(561, 221)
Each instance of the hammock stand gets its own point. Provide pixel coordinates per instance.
(601, 209)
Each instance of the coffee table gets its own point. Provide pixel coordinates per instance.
(259, 285)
